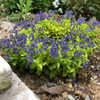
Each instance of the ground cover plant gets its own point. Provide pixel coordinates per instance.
(56, 47)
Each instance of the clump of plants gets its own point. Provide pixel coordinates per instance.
(50, 46)
(85, 8)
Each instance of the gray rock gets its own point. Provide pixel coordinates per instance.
(5, 74)
(18, 91)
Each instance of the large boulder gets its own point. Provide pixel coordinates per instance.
(5, 74)
(17, 89)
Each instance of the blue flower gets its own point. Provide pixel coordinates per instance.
(52, 11)
(54, 49)
(75, 54)
(34, 44)
(81, 20)
(32, 53)
(87, 40)
(30, 57)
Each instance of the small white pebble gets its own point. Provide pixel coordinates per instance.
(94, 55)
(99, 83)
(70, 97)
(92, 66)
(95, 76)
(98, 58)
(91, 78)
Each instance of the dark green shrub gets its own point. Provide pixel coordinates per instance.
(10, 6)
(43, 5)
(85, 8)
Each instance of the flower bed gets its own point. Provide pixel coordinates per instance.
(54, 47)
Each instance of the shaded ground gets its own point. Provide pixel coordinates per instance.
(88, 83)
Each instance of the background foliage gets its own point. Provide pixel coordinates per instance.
(85, 8)
(43, 5)
(9, 6)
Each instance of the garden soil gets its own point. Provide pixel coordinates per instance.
(85, 85)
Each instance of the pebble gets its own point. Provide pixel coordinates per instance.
(98, 67)
(91, 96)
(61, 82)
(95, 81)
(83, 96)
(97, 96)
(98, 58)
(77, 92)
(69, 80)
(69, 87)
(70, 97)
(91, 78)
(65, 94)
(92, 66)
(75, 86)
(58, 98)
(95, 76)
(87, 98)
(94, 55)
(99, 83)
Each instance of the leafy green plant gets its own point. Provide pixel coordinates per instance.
(58, 50)
(0, 7)
(14, 17)
(43, 5)
(25, 8)
(86, 8)
(9, 6)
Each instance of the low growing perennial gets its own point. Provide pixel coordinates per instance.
(56, 47)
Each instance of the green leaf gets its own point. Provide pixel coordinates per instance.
(19, 6)
(72, 70)
(64, 74)
(58, 64)
(52, 75)
(75, 7)
(92, 8)
(74, 74)
(14, 63)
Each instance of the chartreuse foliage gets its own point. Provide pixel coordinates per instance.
(54, 47)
